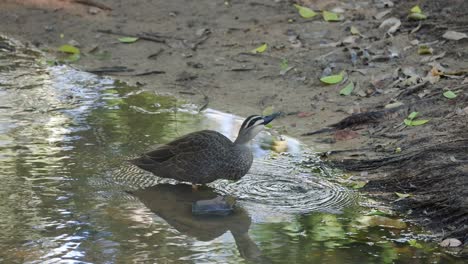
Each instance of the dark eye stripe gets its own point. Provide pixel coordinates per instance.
(248, 121)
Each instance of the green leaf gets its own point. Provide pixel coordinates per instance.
(417, 16)
(413, 115)
(332, 79)
(354, 30)
(347, 89)
(424, 50)
(450, 94)
(69, 49)
(260, 49)
(402, 195)
(330, 16)
(416, 9)
(305, 12)
(359, 184)
(284, 64)
(414, 243)
(73, 57)
(407, 122)
(128, 39)
(419, 122)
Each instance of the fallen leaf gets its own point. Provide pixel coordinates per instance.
(450, 242)
(284, 64)
(332, 79)
(69, 49)
(393, 23)
(416, 9)
(342, 135)
(454, 35)
(382, 14)
(425, 50)
(417, 16)
(305, 12)
(354, 30)
(416, 122)
(128, 39)
(347, 89)
(450, 94)
(330, 16)
(260, 49)
(413, 115)
(304, 114)
(403, 195)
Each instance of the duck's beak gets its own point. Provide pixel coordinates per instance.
(268, 119)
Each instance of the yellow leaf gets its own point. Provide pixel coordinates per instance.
(69, 49)
(260, 49)
(305, 12)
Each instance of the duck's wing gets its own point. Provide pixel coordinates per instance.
(194, 145)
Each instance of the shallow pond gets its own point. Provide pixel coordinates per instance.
(67, 194)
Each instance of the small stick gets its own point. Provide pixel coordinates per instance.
(93, 3)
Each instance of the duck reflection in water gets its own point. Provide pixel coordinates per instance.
(173, 203)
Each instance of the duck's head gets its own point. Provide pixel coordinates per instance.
(252, 125)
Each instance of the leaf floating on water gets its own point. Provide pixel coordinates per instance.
(416, 9)
(403, 195)
(128, 39)
(69, 49)
(359, 184)
(260, 49)
(332, 79)
(454, 35)
(348, 89)
(377, 212)
(330, 16)
(414, 243)
(450, 94)
(305, 12)
(354, 30)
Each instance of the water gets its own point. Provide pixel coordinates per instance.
(68, 196)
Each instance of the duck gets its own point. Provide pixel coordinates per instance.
(204, 156)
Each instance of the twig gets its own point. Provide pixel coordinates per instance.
(144, 36)
(156, 55)
(93, 3)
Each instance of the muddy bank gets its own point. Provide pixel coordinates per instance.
(201, 51)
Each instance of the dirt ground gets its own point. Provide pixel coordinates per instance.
(201, 51)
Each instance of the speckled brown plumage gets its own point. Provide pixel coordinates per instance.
(200, 157)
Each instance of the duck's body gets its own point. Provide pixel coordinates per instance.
(205, 156)
(199, 157)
